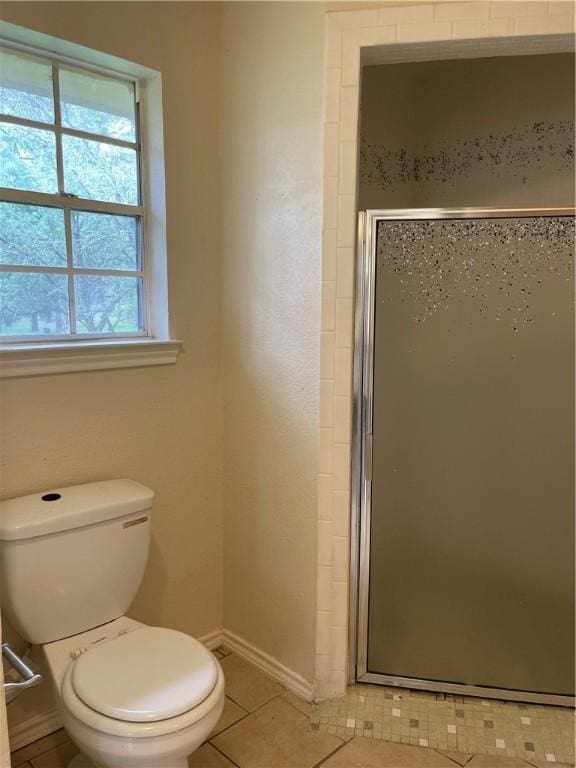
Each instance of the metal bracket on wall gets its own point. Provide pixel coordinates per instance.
(29, 677)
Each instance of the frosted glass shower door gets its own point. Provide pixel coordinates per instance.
(470, 550)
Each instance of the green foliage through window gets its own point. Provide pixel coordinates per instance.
(70, 212)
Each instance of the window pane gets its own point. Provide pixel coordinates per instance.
(107, 304)
(27, 158)
(98, 171)
(32, 235)
(33, 304)
(26, 87)
(97, 104)
(101, 241)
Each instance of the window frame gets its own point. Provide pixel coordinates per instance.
(47, 357)
(68, 203)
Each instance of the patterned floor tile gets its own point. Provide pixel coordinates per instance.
(451, 724)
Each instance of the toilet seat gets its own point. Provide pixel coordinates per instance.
(77, 709)
(148, 675)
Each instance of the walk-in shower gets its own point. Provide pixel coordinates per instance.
(464, 461)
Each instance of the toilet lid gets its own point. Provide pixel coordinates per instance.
(147, 675)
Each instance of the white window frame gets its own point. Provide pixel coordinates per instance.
(25, 356)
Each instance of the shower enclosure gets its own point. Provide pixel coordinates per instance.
(463, 477)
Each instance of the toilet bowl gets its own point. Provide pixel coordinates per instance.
(130, 695)
(134, 695)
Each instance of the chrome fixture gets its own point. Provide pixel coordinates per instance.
(28, 675)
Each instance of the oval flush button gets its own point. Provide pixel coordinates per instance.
(51, 497)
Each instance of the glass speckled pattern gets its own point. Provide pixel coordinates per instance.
(496, 264)
(444, 721)
(471, 553)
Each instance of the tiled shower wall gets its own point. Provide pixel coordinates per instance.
(439, 26)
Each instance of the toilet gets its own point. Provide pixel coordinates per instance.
(71, 562)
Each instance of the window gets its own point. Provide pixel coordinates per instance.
(71, 211)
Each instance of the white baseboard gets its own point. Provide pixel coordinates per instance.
(37, 727)
(269, 665)
(212, 640)
(34, 728)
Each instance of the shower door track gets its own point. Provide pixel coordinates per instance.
(362, 453)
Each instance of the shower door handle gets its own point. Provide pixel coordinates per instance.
(368, 457)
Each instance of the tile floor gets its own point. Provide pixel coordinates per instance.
(265, 726)
(442, 721)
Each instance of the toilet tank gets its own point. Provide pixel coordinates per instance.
(73, 558)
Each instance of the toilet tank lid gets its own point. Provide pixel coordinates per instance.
(63, 509)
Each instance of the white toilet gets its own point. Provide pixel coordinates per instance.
(71, 561)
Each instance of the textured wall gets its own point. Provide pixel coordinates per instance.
(163, 426)
(271, 230)
(160, 426)
(482, 132)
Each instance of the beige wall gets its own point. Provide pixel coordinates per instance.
(161, 426)
(488, 131)
(271, 80)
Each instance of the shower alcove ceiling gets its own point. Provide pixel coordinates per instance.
(356, 38)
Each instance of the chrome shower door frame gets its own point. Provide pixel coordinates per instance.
(362, 419)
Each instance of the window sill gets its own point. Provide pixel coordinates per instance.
(20, 360)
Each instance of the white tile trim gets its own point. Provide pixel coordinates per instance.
(383, 34)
